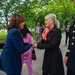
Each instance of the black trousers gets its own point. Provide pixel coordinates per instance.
(67, 37)
(70, 72)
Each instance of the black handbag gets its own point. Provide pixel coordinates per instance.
(33, 54)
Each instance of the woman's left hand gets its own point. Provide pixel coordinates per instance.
(26, 54)
(32, 42)
(65, 60)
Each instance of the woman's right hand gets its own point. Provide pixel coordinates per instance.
(35, 45)
(65, 60)
(33, 42)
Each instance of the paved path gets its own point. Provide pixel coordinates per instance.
(37, 65)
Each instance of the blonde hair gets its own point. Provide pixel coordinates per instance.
(54, 18)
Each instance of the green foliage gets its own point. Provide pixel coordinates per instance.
(1, 27)
(0, 50)
(35, 10)
(62, 30)
(33, 34)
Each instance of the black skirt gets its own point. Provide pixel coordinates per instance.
(53, 63)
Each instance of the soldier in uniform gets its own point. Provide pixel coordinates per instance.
(69, 59)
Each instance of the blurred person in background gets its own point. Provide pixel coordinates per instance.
(38, 32)
(67, 33)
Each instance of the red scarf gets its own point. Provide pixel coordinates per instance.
(46, 31)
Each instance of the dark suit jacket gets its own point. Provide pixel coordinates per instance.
(12, 50)
(71, 49)
(52, 63)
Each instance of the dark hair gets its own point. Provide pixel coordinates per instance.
(25, 30)
(15, 21)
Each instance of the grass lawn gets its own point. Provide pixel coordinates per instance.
(0, 50)
(3, 35)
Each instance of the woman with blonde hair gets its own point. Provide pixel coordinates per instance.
(51, 38)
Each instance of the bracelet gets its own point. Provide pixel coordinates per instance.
(68, 50)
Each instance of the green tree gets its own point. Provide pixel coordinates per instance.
(35, 10)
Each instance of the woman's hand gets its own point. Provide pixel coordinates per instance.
(35, 45)
(32, 42)
(65, 59)
(26, 54)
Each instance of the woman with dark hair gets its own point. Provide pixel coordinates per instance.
(27, 56)
(14, 46)
(25, 30)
